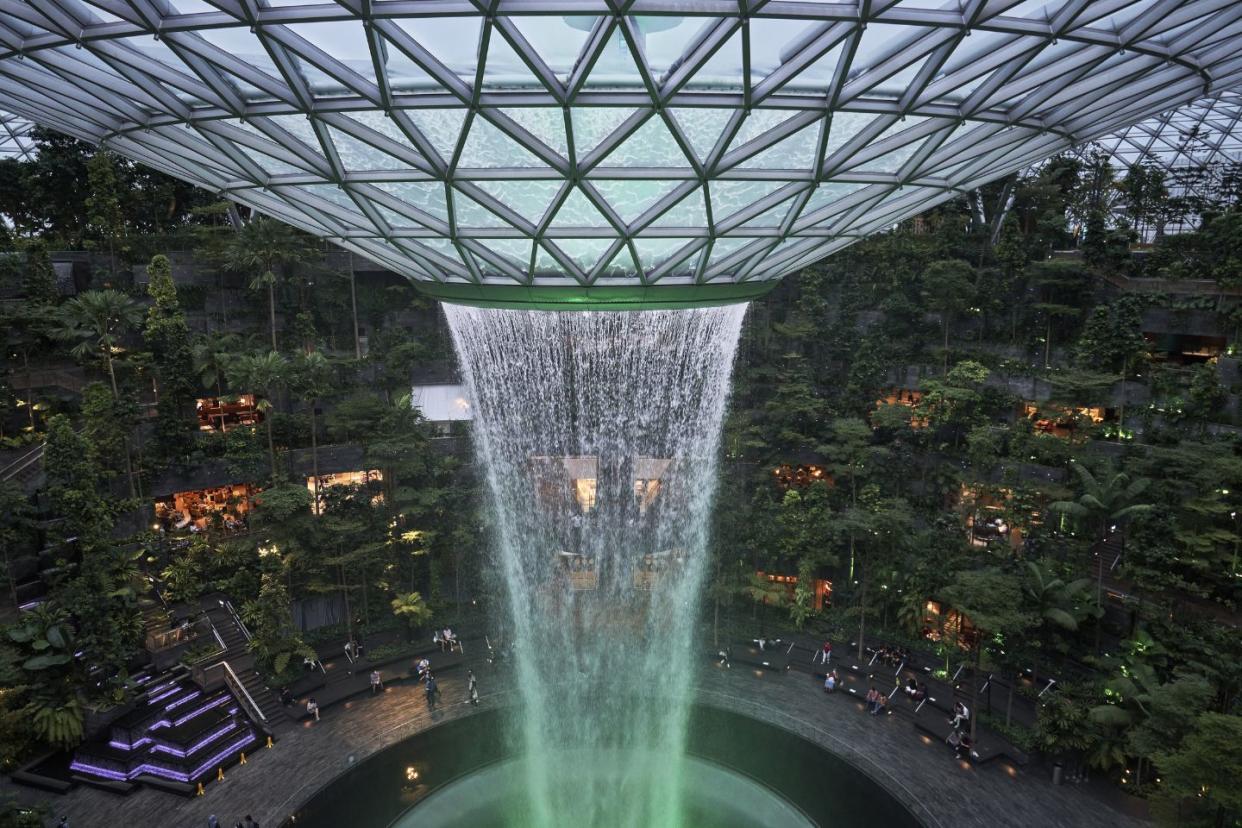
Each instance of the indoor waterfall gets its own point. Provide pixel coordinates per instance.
(598, 434)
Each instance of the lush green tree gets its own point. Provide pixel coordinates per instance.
(1055, 605)
(411, 609)
(274, 641)
(269, 372)
(950, 287)
(104, 215)
(39, 283)
(97, 321)
(1200, 777)
(167, 336)
(992, 600)
(265, 249)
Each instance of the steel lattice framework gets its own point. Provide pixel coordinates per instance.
(15, 140)
(643, 151)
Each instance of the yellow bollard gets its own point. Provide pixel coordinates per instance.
(243, 759)
(220, 774)
(200, 789)
(269, 741)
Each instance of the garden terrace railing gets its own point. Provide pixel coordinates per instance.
(221, 673)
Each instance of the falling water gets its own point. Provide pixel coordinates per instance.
(598, 434)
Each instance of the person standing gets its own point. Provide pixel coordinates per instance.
(212, 822)
(251, 822)
(312, 708)
(377, 682)
(432, 692)
(472, 687)
(824, 654)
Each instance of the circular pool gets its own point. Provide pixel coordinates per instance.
(740, 773)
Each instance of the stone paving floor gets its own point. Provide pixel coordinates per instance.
(939, 790)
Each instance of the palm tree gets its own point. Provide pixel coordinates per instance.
(1053, 601)
(263, 248)
(312, 375)
(268, 371)
(1106, 506)
(413, 609)
(213, 358)
(98, 321)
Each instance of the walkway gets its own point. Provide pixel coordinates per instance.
(940, 791)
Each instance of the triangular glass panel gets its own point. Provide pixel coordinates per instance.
(557, 40)
(240, 42)
(652, 145)
(528, 198)
(578, 211)
(332, 193)
(453, 41)
(843, 127)
(797, 152)
(488, 146)
(622, 264)
(616, 65)
(299, 127)
(830, 192)
(506, 266)
(769, 218)
(691, 211)
(515, 251)
(273, 166)
(724, 248)
(630, 198)
(592, 124)
(396, 221)
(664, 38)
(817, 77)
(346, 41)
(357, 155)
(545, 123)
(759, 123)
(702, 127)
(471, 213)
(546, 264)
(504, 67)
(728, 197)
(876, 40)
(443, 247)
(889, 162)
(769, 38)
(375, 120)
(404, 75)
(441, 127)
(427, 196)
(654, 252)
(586, 253)
(722, 69)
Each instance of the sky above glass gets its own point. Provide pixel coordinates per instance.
(592, 142)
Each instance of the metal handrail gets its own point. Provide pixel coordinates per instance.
(228, 605)
(236, 685)
(22, 463)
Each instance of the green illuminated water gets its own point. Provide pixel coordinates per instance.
(598, 435)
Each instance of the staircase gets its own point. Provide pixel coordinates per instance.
(236, 640)
(26, 471)
(178, 736)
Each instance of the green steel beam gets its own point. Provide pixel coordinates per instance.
(596, 297)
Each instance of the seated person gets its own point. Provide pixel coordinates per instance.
(881, 704)
(962, 749)
(961, 716)
(920, 693)
(830, 683)
(911, 687)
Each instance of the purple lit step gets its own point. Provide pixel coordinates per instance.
(165, 772)
(224, 730)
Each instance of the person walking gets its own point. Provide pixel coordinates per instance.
(433, 691)
(212, 822)
(312, 708)
(377, 682)
(472, 688)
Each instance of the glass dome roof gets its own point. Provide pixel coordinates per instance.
(599, 151)
(15, 140)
